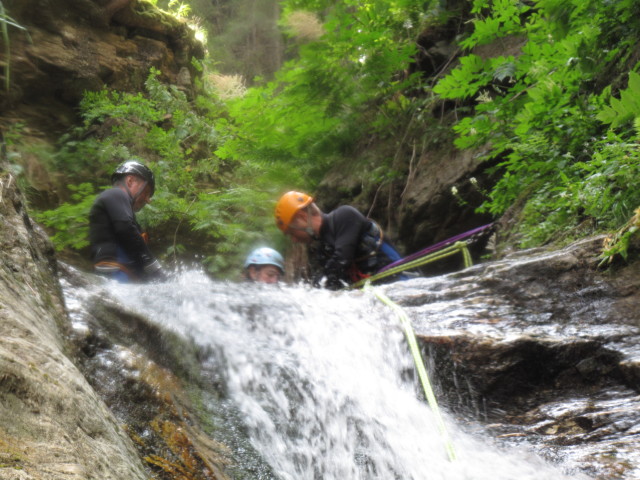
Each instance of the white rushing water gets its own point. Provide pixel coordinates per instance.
(325, 383)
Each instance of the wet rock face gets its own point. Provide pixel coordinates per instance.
(52, 424)
(137, 379)
(163, 387)
(429, 211)
(540, 347)
(422, 210)
(73, 46)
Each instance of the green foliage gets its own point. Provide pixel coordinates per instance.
(5, 22)
(541, 118)
(504, 19)
(465, 80)
(618, 244)
(620, 111)
(221, 166)
(71, 220)
(559, 131)
(341, 89)
(175, 7)
(244, 36)
(196, 190)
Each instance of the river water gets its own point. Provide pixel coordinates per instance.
(325, 383)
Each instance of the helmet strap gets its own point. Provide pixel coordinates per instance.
(135, 197)
(308, 229)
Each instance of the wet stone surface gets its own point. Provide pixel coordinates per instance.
(541, 349)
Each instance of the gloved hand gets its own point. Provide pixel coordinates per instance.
(330, 282)
(334, 283)
(155, 271)
(334, 270)
(317, 280)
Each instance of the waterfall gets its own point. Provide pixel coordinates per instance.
(324, 382)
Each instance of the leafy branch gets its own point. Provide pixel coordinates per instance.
(5, 22)
(618, 243)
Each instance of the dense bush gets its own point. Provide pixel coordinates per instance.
(227, 204)
(565, 147)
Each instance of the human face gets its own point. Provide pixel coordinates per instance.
(140, 191)
(265, 273)
(298, 228)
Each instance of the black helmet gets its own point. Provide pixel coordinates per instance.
(132, 167)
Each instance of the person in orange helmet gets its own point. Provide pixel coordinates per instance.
(348, 246)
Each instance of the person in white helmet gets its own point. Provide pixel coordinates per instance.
(264, 265)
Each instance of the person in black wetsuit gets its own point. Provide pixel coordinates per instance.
(347, 246)
(118, 245)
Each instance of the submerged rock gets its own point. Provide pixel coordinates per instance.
(156, 384)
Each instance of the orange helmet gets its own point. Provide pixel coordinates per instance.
(288, 206)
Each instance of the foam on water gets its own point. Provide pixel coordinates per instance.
(325, 383)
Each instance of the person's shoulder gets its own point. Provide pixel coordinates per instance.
(110, 198)
(347, 212)
(112, 194)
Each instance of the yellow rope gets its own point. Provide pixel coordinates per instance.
(440, 254)
(419, 362)
(468, 262)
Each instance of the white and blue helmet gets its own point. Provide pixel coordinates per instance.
(265, 256)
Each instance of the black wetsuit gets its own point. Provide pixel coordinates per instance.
(349, 245)
(114, 233)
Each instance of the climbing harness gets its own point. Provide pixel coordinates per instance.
(419, 363)
(430, 254)
(371, 242)
(109, 268)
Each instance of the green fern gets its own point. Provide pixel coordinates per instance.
(625, 109)
(465, 80)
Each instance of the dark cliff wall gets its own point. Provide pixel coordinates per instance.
(70, 46)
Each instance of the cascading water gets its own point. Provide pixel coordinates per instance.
(324, 382)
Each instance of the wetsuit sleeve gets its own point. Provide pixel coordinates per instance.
(127, 230)
(346, 224)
